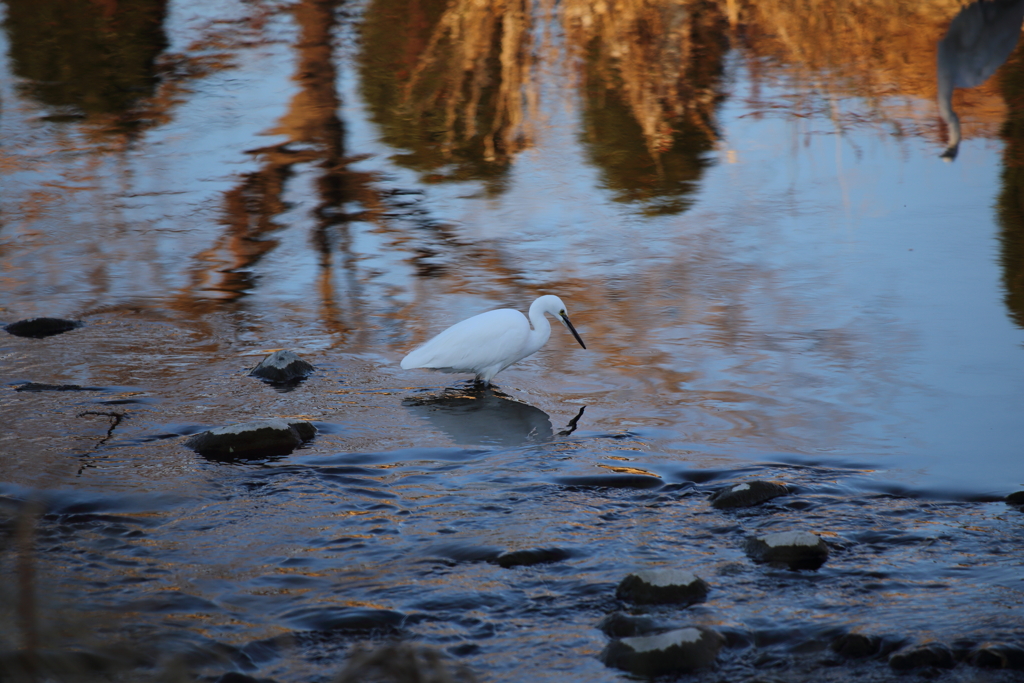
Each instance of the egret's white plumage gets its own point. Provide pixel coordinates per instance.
(488, 343)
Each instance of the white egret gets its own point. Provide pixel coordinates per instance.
(488, 343)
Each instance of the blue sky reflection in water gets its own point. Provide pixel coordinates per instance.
(801, 290)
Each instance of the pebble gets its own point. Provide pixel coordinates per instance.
(282, 367)
(37, 328)
(794, 549)
(681, 650)
(747, 494)
(257, 439)
(661, 586)
(928, 655)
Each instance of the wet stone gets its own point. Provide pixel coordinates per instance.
(747, 494)
(1016, 498)
(662, 586)
(257, 439)
(793, 549)
(997, 656)
(681, 650)
(623, 625)
(923, 656)
(37, 328)
(856, 645)
(525, 558)
(282, 367)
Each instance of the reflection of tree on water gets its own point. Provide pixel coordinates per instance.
(452, 84)
(446, 83)
(96, 57)
(485, 416)
(652, 71)
(1011, 197)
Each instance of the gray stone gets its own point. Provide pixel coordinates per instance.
(746, 494)
(997, 656)
(681, 650)
(922, 656)
(793, 549)
(281, 367)
(37, 328)
(660, 586)
(257, 439)
(623, 625)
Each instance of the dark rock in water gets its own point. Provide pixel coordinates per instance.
(257, 439)
(623, 625)
(346, 620)
(402, 662)
(928, 655)
(856, 645)
(236, 677)
(793, 549)
(1016, 498)
(282, 367)
(37, 328)
(681, 650)
(747, 494)
(661, 586)
(997, 656)
(525, 558)
(39, 386)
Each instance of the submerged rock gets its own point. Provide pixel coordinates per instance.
(997, 656)
(660, 586)
(747, 494)
(402, 662)
(623, 625)
(525, 558)
(793, 549)
(39, 386)
(681, 650)
(928, 655)
(257, 439)
(37, 328)
(282, 367)
(856, 645)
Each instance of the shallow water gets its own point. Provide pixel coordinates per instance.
(776, 276)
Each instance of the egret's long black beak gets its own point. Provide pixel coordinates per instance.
(572, 329)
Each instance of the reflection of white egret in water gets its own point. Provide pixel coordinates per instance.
(977, 43)
(488, 343)
(485, 417)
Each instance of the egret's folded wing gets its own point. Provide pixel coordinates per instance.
(473, 344)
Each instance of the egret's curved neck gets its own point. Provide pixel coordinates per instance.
(541, 328)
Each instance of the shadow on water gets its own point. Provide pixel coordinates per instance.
(484, 416)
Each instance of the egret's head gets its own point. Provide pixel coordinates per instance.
(553, 305)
